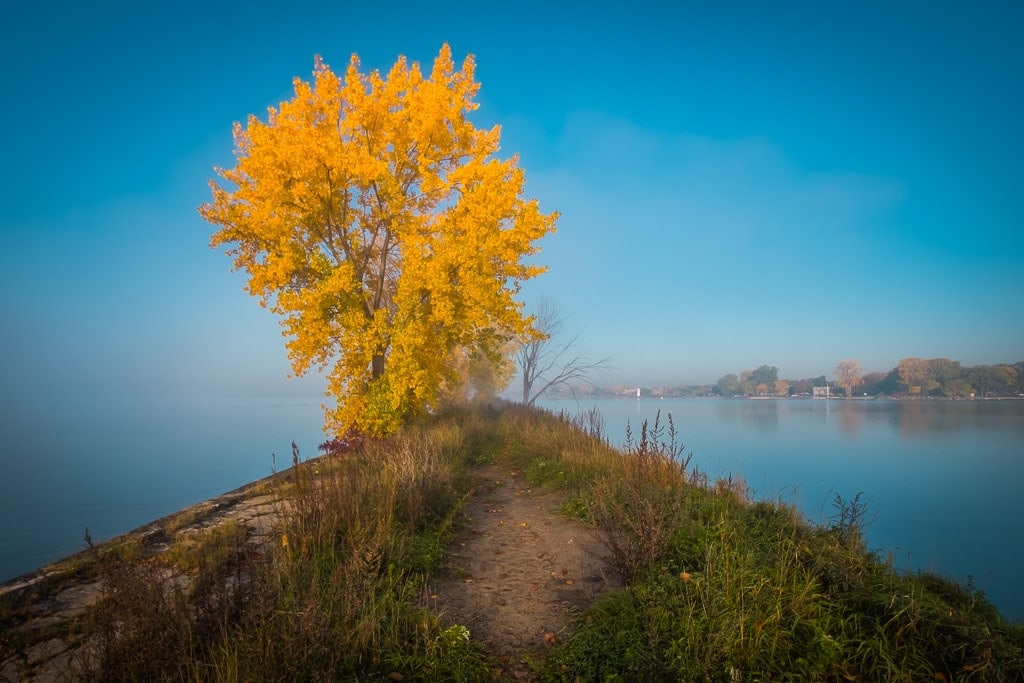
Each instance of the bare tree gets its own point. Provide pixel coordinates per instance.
(546, 363)
(848, 375)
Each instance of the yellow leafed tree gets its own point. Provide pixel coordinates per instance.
(378, 222)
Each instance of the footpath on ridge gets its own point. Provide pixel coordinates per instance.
(519, 571)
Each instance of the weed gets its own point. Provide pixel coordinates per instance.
(638, 505)
(849, 520)
(575, 508)
(141, 606)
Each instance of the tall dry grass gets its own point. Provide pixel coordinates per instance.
(334, 593)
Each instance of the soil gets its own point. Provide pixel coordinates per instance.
(519, 572)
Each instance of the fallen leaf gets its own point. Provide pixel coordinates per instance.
(569, 582)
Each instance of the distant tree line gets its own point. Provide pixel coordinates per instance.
(945, 377)
(762, 381)
(913, 377)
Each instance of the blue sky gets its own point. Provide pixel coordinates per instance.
(781, 183)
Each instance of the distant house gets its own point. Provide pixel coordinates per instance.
(820, 392)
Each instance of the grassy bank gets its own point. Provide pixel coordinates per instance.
(718, 587)
(725, 588)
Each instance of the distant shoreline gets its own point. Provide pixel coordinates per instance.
(597, 397)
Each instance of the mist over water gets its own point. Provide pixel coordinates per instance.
(115, 464)
(941, 478)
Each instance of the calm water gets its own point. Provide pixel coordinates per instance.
(112, 469)
(943, 477)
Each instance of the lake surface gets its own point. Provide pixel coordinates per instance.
(113, 467)
(942, 478)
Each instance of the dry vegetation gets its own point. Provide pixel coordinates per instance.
(717, 586)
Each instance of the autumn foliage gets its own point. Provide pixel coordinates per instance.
(378, 222)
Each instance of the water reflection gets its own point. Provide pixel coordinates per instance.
(849, 418)
(909, 419)
(761, 415)
(919, 419)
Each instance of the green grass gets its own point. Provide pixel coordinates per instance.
(717, 587)
(723, 588)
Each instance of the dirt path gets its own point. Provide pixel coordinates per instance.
(520, 571)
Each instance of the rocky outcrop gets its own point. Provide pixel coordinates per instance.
(41, 612)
